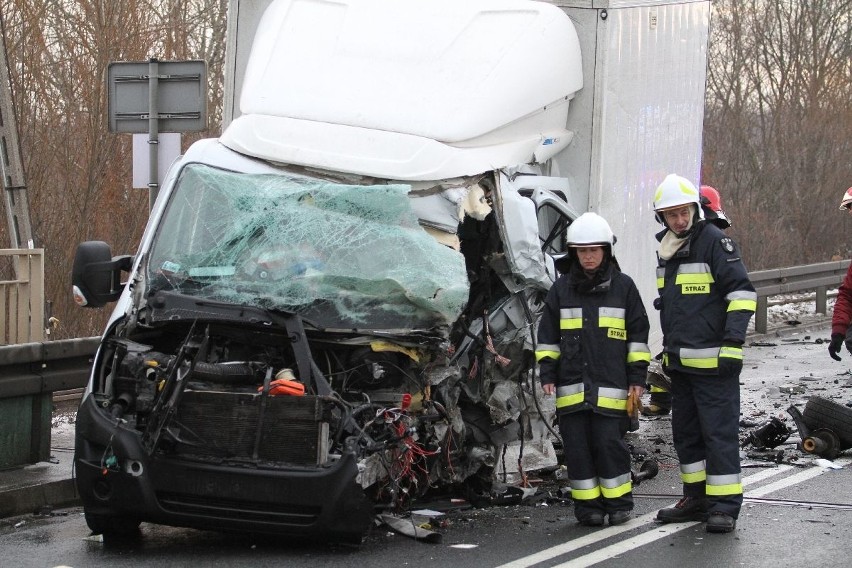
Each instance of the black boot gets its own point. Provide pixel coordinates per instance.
(687, 509)
(593, 519)
(720, 523)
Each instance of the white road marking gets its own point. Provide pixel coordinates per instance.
(803, 475)
(578, 543)
(765, 474)
(657, 531)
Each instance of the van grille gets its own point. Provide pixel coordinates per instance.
(214, 424)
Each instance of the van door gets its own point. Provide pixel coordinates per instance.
(534, 213)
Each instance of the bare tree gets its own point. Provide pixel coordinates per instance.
(78, 174)
(778, 123)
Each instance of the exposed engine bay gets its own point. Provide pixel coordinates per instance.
(416, 415)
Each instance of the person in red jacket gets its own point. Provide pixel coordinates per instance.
(841, 318)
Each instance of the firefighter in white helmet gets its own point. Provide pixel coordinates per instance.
(705, 303)
(593, 355)
(660, 400)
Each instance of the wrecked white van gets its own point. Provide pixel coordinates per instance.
(332, 309)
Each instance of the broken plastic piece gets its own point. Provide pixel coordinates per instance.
(768, 435)
(408, 528)
(827, 464)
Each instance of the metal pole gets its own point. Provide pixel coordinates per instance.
(153, 132)
(822, 300)
(17, 204)
(760, 315)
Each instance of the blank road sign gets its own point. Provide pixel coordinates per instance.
(181, 96)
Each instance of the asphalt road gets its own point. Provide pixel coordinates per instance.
(796, 511)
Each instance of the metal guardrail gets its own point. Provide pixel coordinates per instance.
(29, 375)
(46, 367)
(819, 277)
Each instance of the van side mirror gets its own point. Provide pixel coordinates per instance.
(96, 275)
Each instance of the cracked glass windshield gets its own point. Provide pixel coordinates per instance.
(343, 256)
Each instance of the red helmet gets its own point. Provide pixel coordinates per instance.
(714, 200)
(847, 199)
(711, 199)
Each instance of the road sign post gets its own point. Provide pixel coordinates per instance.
(154, 97)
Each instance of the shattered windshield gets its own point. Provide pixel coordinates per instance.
(343, 256)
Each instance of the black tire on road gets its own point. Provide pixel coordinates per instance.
(823, 413)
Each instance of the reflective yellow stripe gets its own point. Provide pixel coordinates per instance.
(569, 400)
(615, 492)
(611, 317)
(693, 472)
(700, 358)
(571, 318)
(570, 395)
(638, 352)
(612, 403)
(710, 363)
(616, 323)
(655, 388)
(539, 355)
(585, 494)
(731, 352)
(617, 486)
(730, 484)
(639, 356)
(615, 399)
(585, 489)
(661, 282)
(742, 305)
(693, 477)
(729, 489)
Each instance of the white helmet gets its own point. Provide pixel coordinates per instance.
(846, 203)
(589, 229)
(676, 191)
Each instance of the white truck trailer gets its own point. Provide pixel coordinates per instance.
(332, 309)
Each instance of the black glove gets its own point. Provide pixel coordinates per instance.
(835, 346)
(730, 367)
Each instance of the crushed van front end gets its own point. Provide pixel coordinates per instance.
(294, 353)
(120, 484)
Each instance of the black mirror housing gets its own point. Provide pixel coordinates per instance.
(96, 275)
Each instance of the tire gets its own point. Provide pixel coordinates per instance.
(823, 413)
(112, 525)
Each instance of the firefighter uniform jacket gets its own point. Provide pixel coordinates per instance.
(706, 301)
(593, 345)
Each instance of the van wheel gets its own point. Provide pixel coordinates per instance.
(112, 525)
(826, 414)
